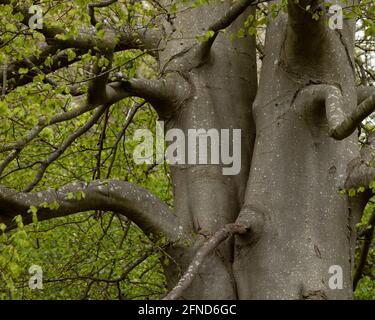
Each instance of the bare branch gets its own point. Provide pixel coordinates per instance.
(123, 276)
(96, 91)
(113, 93)
(360, 171)
(232, 14)
(161, 93)
(13, 155)
(143, 208)
(61, 149)
(341, 125)
(225, 21)
(85, 40)
(351, 122)
(369, 233)
(129, 119)
(364, 92)
(4, 79)
(59, 59)
(206, 249)
(91, 9)
(360, 175)
(82, 107)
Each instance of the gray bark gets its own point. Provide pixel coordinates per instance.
(220, 92)
(298, 169)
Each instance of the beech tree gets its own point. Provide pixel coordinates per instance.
(298, 88)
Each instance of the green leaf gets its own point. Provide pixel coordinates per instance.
(33, 210)
(69, 196)
(54, 205)
(361, 189)
(208, 35)
(23, 71)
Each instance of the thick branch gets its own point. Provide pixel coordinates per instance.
(360, 171)
(232, 14)
(225, 21)
(364, 92)
(58, 60)
(360, 174)
(127, 38)
(96, 91)
(91, 9)
(351, 122)
(305, 35)
(48, 32)
(300, 13)
(341, 124)
(114, 92)
(163, 93)
(143, 208)
(87, 40)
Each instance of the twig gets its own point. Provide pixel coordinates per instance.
(368, 234)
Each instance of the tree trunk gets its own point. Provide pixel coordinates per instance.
(296, 171)
(221, 91)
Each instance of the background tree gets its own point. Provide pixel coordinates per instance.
(74, 91)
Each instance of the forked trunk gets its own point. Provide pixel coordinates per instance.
(296, 171)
